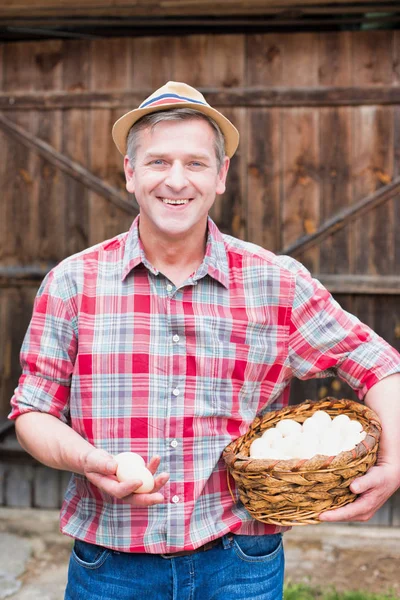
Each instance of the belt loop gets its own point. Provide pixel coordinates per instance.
(227, 541)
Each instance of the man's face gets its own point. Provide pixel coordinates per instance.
(176, 178)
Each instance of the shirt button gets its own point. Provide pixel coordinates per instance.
(175, 392)
(176, 338)
(169, 288)
(174, 443)
(175, 499)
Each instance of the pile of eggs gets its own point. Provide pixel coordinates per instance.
(319, 434)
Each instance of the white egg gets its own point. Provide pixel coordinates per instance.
(258, 447)
(283, 447)
(272, 454)
(348, 444)
(129, 470)
(330, 448)
(130, 458)
(322, 418)
(306, 448)
(340, 420)
(354, 427)
(288, 426)
(312, 427)
(272, 434)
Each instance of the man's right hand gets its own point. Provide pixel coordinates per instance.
(100, 468)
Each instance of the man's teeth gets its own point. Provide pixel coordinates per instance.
(171, 201)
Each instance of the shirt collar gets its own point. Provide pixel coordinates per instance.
(215, 262)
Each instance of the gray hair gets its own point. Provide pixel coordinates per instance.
(175, 114)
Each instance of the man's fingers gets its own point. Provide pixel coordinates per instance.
(160, 481)
(113, 487)
(154, 464)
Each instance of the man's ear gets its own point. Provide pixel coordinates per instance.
(129, 175)
(223, 172)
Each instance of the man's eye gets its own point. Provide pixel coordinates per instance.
(196, 163)
(158, 161)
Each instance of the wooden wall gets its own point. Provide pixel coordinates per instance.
(319, 118)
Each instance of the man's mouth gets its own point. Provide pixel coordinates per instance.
(175, 201)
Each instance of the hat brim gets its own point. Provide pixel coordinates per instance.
(121, 127)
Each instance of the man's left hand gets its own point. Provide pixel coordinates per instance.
(373, 489)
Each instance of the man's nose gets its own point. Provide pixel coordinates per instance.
(176, 178)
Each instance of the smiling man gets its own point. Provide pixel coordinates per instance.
(168, 341)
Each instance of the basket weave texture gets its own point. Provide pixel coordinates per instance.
(296, 491)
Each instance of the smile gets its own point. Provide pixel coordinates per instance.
(175, 201)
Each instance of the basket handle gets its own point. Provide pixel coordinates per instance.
(228, 476)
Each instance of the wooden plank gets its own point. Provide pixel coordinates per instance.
(46, 488)
(360, 284)
(69, 166)
(335, 159)
(334, 69)
(344, 217)
(15, 313)
(227, 69)
(74, 132)
(372, 169)
(252, 97)
(110, 66)
(336, 283)
(396, 174)
(152, 66)
(301, 190)
(161, 8)
(264, 59)
(19, 486)
(396, 57)
(264, 148)
(372, 58)
(195, 71)
(334, 59)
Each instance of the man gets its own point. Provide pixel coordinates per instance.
(167, 341)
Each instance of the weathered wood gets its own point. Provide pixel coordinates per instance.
(264, 165)
(19, 485)
(111, 65)
(67, 165)
(360, 284)
(372, 168)
(301, 191)
(15, 312)
(336, 191)
(172, 7)
(256, 96)
(46, 484)
(343, 218)
(336, 284)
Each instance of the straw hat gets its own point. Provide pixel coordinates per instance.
(175, 95)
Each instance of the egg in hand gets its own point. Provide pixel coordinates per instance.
(132, 466)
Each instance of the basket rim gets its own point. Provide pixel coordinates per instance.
(241, 463)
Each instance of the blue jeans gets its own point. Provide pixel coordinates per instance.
(240, 568)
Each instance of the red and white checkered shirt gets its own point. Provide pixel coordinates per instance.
(133, 363)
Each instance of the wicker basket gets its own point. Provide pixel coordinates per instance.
(296, 491)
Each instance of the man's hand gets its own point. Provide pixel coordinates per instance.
(100, 469)
(374, 489)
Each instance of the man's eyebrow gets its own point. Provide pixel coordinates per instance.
(152, 154)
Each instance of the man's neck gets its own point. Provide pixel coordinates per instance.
(177, 259)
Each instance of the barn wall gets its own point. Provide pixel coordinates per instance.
(319, 118)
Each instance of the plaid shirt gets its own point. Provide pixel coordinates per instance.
(133, 363)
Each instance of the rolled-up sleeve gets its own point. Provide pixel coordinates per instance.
(326, 340)
(48, 355)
